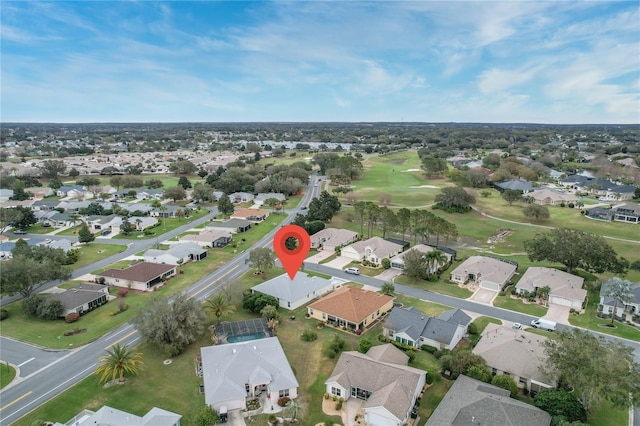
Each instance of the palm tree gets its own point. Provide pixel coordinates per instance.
(620, 291)
(219, 305)
(120, 360)
(436, 259)
(273, 324)
(296, 409)
(387, 288)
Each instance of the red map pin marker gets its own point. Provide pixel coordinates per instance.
(291, 259)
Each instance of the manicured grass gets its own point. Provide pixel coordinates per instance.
(607, 414)
(590, 321)
(93, 252)
(7, 374)
(518, 305)
(440, 286)
(429, 308)
(117, 265)
(71, 232)
(164, 225)
(39, 229)
(481, 323)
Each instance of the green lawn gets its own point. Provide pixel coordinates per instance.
(7, 374)
(93, 252)
(164, 226)
(440, 286)
(39, 229)
(518, 305)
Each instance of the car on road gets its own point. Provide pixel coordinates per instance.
(354, 271)
(516, 326)
(303, 208)
(20, 232)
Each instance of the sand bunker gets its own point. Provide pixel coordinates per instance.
(412, 170)
(425, 186)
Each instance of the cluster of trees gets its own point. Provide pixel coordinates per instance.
(454, 200)
(32, 266)
(171, 325)
(417, 223)
(424, 266)
(321, 210)
(474, 366)
(341, 169)
(37, 306)
(575, 249)
(18, 218)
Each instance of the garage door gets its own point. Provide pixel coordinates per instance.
(560, 301)
(489, 285)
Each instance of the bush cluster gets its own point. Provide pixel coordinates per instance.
(336, 346)
(309, 335)
(72, 317)
(37, 306)
(283, 401)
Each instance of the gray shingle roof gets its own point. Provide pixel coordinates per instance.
(470, 402)
(282, 287)
(417, 324)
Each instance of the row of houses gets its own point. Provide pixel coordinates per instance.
(627, 213)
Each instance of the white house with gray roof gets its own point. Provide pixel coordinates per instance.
(330, 238)
(234, 372)
(262, 197)
(470, 402)
(230, 225)
(415, 328)
(564, 289)
(488, 272)
(398, 261)
(292, 294)
(177, 254)
(112, 416)
(382, 379)
(373, 250)
(607, 303)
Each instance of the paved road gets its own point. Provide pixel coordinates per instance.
(133, 247)
(44, 382)
(74, 365)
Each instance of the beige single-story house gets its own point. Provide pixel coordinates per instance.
(564, 289)
(351, 307)
(252, 215)
(547, 197)
(331, 238)
(397, 262)
(139, 276)
(230, 225)
(177, 254)
(382, 379)
(515, 352)
(373, 250)
(489, 273)
(208, 238)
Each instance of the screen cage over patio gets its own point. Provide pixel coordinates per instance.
(256, 328)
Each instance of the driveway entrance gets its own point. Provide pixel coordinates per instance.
(484, 295)
(558, 313)
(339, 262)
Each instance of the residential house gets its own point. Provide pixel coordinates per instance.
(372, 250)
(63, 244)
(40, 192)
(606, 190)
(564, 289)
(82, 298)
(351, 307)
(397, 262)
(292, 294)
(54, 218)
(140, 193)
(235, 372)
(98, 222)
(470, 402)
(241, 197)
(631, 307)
(167, 210)
(415, 328)
(177, 254)
(549, 197)
(73, 206)
(332, 238)
(45, 205)
(516, 184)
(139, 276)
(489, 273)
(252, 215)
(75, 191)
(264, 196)
(209, 238)
(216, 195)
(382, 379)
(517, 353)
(628, 213)
(600, 213)
(111, 416)
(230, 225)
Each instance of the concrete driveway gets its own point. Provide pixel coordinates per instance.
(235, 418)
(558, 313)
(319, 256)
(339, 262)
(484, 295)
(389, 274)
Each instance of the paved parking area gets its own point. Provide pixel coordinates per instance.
(558, 313)
(319, 256)
(484, 295)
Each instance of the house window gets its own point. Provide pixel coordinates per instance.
(324, 316)
(311, 312)
(288, 304)
(284, 392)
(378, 312)
(336, 391)
(247, 388)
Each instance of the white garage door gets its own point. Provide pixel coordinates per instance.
(560, 301)
(489, 285)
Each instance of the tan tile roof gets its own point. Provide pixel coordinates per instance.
(561, 284)
(351, 303)
(243, 213)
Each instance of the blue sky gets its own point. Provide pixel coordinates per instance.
(140, 61)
